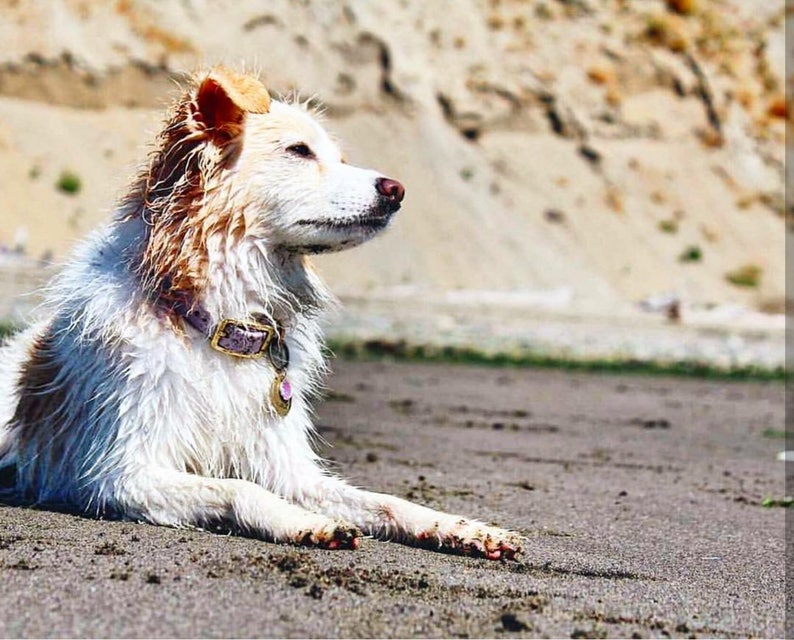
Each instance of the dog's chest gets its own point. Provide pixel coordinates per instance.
(239, 392)
(212, 412)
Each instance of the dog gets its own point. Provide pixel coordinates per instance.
(171, 378)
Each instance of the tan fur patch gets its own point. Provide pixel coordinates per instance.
(247, 92)
(40, 397)
(201, 136)
(168, 195)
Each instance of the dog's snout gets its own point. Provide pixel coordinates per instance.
(390, 189)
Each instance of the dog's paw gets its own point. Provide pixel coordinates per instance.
(333, 536)
(471, 538)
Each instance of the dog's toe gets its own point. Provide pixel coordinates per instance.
(506, 546)
(335, 536)
(476, 540)
(510, 549)
(345, 538)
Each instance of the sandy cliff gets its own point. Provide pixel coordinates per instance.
(601, 151)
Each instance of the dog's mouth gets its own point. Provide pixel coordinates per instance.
(336, 234)
(373, 221)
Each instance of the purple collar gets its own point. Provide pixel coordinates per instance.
(243, 339)
(239, 338)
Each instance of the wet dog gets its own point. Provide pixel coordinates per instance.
(170, 379)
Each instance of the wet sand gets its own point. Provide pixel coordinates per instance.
(640, 499)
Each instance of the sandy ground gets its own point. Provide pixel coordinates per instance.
(640, 499)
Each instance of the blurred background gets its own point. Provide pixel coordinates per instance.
(585, 178)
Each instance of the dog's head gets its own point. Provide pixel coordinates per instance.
(231, 163)
(303, 193)
(283, 169)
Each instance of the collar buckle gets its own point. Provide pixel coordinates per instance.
(239, 339)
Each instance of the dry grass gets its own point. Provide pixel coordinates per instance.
(748, 276)
(778, 108)
(602, 73)
(684, 7)
(614, 199)
(667, 31)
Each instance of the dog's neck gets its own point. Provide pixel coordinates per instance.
(251, 278)
(242, 278)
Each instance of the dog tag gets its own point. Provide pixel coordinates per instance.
(281, 394)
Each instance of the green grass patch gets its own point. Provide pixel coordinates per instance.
(692, 253)
(7, 328)
(401, 350)
(668, 226)
(748, 276)
(774, 434)
(771, 503)
(69, 182)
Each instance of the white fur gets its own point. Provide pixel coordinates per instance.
(153, 424)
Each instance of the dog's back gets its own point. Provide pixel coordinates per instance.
(58, 383)
(12, 353)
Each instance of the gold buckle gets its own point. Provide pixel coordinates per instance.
(226, 322)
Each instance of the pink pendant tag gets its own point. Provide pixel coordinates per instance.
(285, 390)
(281, 394)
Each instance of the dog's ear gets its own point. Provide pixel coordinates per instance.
(224, 97)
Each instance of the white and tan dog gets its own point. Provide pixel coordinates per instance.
(170, 380)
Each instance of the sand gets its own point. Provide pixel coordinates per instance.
(640, 499)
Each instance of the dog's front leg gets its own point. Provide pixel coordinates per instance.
(168, 497)
(388, 517)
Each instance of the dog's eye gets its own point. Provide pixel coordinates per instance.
(301, 150)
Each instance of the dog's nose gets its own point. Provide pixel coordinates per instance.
(391, 189)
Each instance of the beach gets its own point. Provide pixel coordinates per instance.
(641, 499)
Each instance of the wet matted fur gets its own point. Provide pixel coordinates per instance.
(114, 405)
